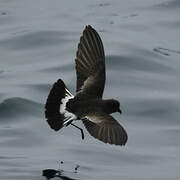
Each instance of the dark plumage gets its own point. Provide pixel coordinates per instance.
(87, 105)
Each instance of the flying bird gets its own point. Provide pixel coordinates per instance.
(62, 107)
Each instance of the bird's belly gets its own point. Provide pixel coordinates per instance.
(82, 108)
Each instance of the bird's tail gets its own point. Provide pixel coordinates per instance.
(55, 105)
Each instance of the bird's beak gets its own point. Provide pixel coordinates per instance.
(119, 110)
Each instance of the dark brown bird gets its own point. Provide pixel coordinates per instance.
(87, 105)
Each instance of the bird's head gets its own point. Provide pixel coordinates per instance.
(114, 106)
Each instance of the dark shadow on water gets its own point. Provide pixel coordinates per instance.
(52, 173)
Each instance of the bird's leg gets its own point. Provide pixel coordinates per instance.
(69, 122)
(82, 133)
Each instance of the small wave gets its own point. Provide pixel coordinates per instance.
(1, 71)
(169, 4)
(59, 68)
(39, 87)
(35, 39)
(165, 51)
(170, 136)
(17, 107)
(135, 63)
(130, 158)
(160, 110)
(12, 157)
(104, 4)
(20, 137)
(173, 132)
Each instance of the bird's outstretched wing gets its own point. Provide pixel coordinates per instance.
(105, 128)
(90, 64)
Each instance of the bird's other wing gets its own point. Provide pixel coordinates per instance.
(90, 64)
(105, 128)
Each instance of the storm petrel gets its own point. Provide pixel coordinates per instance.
(62, 108)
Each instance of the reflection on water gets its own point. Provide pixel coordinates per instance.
(52, 173)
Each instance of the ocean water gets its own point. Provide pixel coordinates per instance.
(38, 42)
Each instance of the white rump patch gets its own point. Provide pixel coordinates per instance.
(68, 115)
